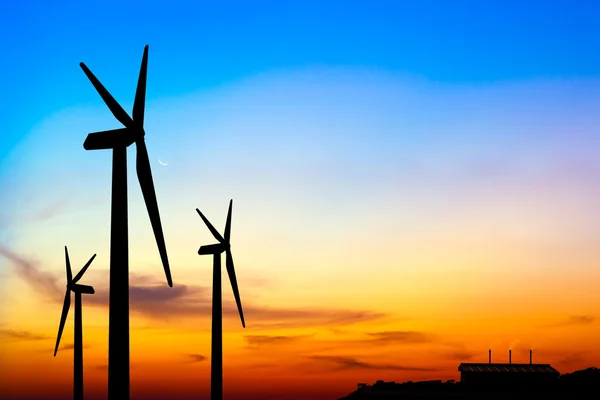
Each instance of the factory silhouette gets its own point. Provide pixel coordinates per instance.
(492, 381)
(507, 373)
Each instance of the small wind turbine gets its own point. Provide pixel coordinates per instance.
(224, 245)
(73, 286)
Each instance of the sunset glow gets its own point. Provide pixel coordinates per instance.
(391, 219)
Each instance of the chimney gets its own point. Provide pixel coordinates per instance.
(490, 356)
(530, 356)
(510, 356)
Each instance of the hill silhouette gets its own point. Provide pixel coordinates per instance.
(581, 384)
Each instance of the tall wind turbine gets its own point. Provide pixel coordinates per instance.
(118, 140)
(224, 245)
(73, 286)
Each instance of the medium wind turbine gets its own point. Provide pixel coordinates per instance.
(224, 245)
(118, 140)
(73, 286)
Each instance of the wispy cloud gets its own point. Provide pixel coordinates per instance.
(263, 340)
(387, 338)
(49, 210)
(573, 358)
(576, 320)
(460, 355)
(196, 357)
(402, 337)
(345, 363)
(63, 348)
(316, 344)
(71, 346)
(40, 281)
(152, 298)
(21, 335)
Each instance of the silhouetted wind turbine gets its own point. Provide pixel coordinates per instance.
(118, 140)
(73, 286)
(224, 245)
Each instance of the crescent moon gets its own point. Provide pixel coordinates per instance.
(162, 163)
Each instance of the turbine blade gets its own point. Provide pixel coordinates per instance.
(85, 267)
(140, 93)
(228, 223)
(69, 273)
(211, 249)
(145, 178)
(234, 285)
(112, 104)
(108, 139)
(211, 228)
(63, 318)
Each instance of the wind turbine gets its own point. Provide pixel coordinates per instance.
(73, 286)
(224, 245)
(118, 140)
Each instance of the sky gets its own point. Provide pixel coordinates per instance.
(413, 184)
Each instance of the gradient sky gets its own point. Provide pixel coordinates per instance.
(413, 184)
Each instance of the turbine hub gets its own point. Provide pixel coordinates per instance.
(139, 133)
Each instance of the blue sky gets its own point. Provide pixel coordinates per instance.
(199, 45)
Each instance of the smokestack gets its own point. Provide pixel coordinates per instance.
(490, 356)
(510, 356)
(530, 356)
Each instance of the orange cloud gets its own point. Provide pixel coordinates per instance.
(345, 363)
(401, 337)
(154, 299)
(261, 340)
(576, 320)
(21, 335)
(196, 357)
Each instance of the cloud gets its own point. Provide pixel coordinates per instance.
(102, 367)
(402, 337)
(40, 281)
(460, 355)
(21, 335)
(71, 346)
(63, 348)
(386, 338)
(49, 210)
(573, 358)
(286, 318)
(368, 340)
(263, 340)
(196, 357)
(345, 363)
(153, 299)
(576, 320)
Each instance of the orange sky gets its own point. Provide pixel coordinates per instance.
(304, 352)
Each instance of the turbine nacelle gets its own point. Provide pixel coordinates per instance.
(115, 138)
(85, 289)
(215, 249)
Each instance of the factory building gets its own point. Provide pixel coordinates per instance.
(507, 373)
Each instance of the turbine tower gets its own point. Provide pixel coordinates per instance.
(118, 140)
(73, 286)
(224, 245)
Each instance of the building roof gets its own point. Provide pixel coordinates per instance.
(536, 368)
